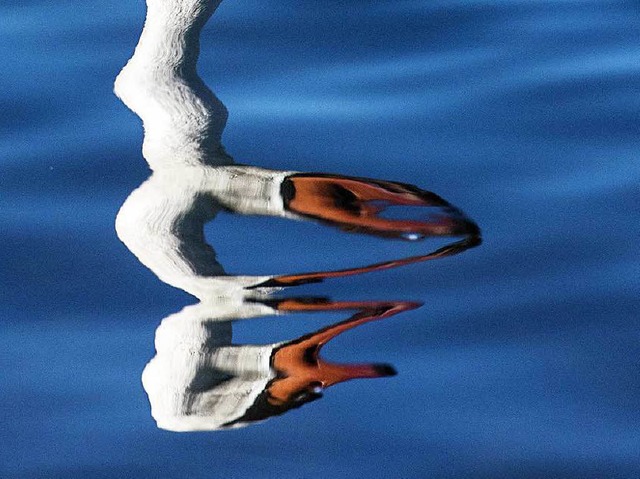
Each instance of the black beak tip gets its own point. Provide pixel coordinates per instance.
(385, 370)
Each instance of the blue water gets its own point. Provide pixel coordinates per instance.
(523, 360)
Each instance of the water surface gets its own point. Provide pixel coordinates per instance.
(522, 362)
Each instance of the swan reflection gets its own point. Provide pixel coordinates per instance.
(162, 222)
(199, 379)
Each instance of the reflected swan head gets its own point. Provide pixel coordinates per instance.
(199, 380)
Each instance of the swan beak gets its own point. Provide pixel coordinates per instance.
(357, 205)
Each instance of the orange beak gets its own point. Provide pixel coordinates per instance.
(302, 373)
(355, 204)
(316, 277)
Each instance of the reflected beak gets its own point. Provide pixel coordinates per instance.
(356, 204)
(302, 373)
(306, 278)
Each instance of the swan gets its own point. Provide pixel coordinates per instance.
(199, 379)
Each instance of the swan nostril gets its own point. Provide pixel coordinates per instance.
(344, 199)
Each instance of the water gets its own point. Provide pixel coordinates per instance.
(522, 361)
